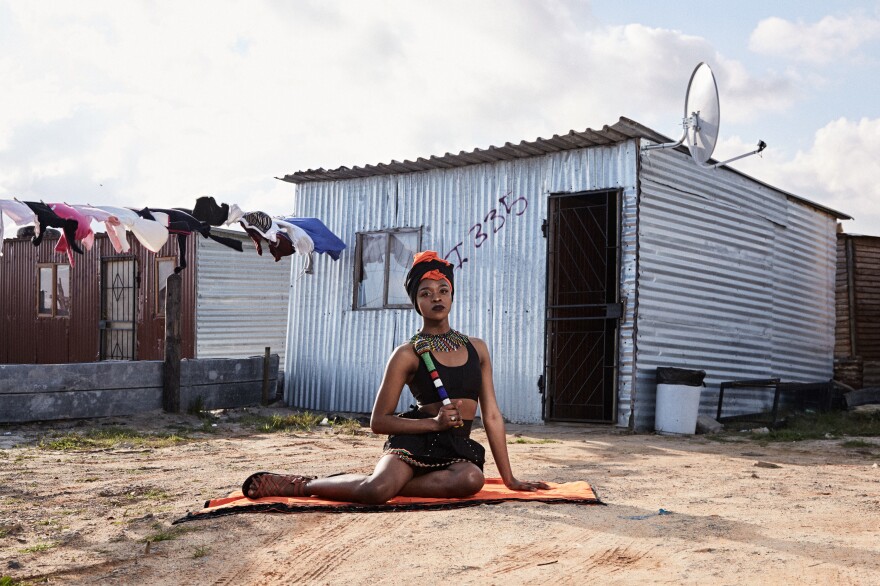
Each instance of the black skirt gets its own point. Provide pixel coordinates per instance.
(436, 450)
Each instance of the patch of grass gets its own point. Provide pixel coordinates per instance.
(108, 438)
(305, 421)
(47, 522)
(830, 425)
(857, 443)
(39, 547)
(201, 552)
(156, 494)
(527, 440)
(347, 426)
(717, 437)
(164, 534)
(197, 407)
(7, 581)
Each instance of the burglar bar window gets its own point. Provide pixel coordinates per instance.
(53, 296)
(383, 259)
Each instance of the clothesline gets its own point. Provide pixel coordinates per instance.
(152, 227)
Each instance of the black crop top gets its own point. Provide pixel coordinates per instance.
(461, 382)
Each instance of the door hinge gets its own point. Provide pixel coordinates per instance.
(541, 384)
(544, 226)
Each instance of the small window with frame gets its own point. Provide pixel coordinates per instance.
(164, 268)
(382, 259)
(53, 290)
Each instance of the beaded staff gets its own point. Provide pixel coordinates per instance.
(435, 376)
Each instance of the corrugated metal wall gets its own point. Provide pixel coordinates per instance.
(241, 300)
(28, 339)
(857, 348)
(866, 278)
(336, 356)
(151, 325)
(734, 278)
(844, 333)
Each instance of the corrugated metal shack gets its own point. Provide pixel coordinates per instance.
(110, 306)
(584, 263)
(857, 351)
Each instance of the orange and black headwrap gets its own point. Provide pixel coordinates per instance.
(427, 265)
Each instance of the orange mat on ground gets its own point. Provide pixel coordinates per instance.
(493, 492)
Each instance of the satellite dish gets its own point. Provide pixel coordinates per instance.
(702, 118)
(701, 104)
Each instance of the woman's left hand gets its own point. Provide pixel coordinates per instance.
(515, 484)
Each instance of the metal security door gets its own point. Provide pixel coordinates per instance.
(118, 309)
(582, 307)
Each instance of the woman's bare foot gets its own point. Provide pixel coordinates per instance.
(263, 484)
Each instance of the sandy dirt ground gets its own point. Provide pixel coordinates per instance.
(739, 512)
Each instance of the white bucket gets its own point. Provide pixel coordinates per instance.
(678, 407)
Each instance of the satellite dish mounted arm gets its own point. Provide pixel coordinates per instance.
(687, 123)
(761, 146)
(669, 145)
(702, 118)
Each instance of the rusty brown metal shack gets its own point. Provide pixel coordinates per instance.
(857, 336)
(110, 306)
(110, 309)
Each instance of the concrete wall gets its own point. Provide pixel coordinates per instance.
(106, 389)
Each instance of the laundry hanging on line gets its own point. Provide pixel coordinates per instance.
(47, 218)
(82, 234)
(323, 239)
(18, 213)
(259, 224)
(152, 227)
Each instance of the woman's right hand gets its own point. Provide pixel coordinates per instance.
(449, 416)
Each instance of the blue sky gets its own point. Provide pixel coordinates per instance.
(845, 86)
(126, 103)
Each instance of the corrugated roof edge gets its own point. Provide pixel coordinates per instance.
(623, 129)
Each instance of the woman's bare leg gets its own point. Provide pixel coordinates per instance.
(459, 480)
(390, 475)
(390, 478)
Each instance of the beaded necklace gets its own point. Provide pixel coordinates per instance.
(448, 342)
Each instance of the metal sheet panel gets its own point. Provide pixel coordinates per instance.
(857, 338)
(622, 130)
(241, 300)
(733, 278)
(866, 296)
(844, 289)
(27, 338)
(336, 356)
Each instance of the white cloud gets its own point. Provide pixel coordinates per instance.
(840, 170)
(822, 42)
(164, 101)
